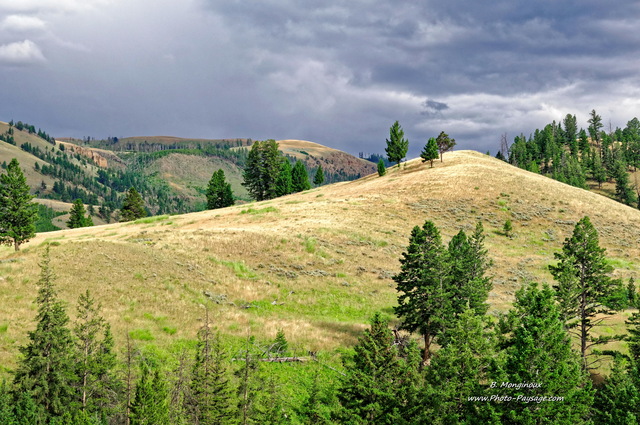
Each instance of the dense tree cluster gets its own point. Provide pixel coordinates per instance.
(269, 174)
(571, 155)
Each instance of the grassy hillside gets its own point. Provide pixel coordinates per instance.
(316, 264)
(171, 173)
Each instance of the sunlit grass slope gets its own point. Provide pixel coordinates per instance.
(316, 264)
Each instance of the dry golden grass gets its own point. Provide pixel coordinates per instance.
(316, 264)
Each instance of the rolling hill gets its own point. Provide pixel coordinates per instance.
(316, 264)
(171, 173)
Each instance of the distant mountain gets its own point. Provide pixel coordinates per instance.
(171, 173)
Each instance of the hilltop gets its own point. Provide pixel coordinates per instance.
(316, 264)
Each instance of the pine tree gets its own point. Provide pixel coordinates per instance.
(397, 145)
(77, 216)
(445, 143)
(539, 351)
(372, 391)
(382, 170)
(430, 151)
(284, 184)
(458, 371)
(95, 359)
(299, 178)
(249, 383)
(7, 416)
(132, 206)
(150, 404)
(318, 179)
(46, 370)
(423, 303)
(219, 193)
(597, 170)
(18, 214)
(262, 169)
(624, 192)
(584, 284)
(468, 262)
(617, 402)
(211, 399)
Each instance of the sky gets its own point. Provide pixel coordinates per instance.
(337, 73)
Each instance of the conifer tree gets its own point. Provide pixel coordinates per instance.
(248, 381)
(211, 399)
(597, 170)
(299, 177)
(374, 390)
(262, 169)
(584, 284)
(424, 302)
(318, 179)
(445, 143)
(469, 287)
(18, 214)
(77, 216)
(397, 145)
(150, 404)
(219, 193)
(382, 170)
(132, 206)
(46, 370)
(95, 359)
(430, 151)
(284, 184)
(617, 402)
(539, 351)
(624, 192)
(460, 370)
(7, 416)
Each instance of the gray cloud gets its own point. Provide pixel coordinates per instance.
(338, 73)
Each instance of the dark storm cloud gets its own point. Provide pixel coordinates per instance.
(338, 73)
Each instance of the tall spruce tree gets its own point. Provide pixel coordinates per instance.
(617, 402)
(538, 351)
(584, 287)
(132, 206)
(212, 400)
(299, 177)
(77, 216)
(318, 179)
(460, 370)
(378, 388)
(469, 287)
(95, 358)
(219, 193)
(397, 145)
(18, 214)
(430, 151)
(150, 404)
(284, 184)
(262, 169)
(624, 192)
(424, 301)
(46, 370)
(248, 382)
